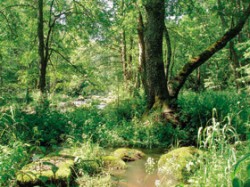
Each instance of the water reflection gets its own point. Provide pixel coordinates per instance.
(136, 175)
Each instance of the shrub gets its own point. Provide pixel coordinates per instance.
(196, 110)
(218, 139)
(42, 126)
(12, 158)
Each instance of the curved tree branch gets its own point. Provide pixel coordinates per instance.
(179, 80)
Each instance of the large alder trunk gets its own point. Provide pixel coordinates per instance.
(160, 92)
(157, 93)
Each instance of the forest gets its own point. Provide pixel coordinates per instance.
(125, 93)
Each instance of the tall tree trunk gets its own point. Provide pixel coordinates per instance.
(124, 56)
(130, 59)
(142, 64)
(42, 60)
(156, 80)
(235, 64)
(124, 46)
(157, 93)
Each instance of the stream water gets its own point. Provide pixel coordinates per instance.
(136, 175)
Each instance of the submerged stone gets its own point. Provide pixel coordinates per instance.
(175, 166)
(127, 154)
(56, 169)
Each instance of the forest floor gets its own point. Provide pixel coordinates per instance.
(94, 127)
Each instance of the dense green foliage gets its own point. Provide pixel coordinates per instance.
(92, 49)
(196, 111)
(24, 132)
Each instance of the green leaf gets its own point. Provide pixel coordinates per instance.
(248, 170)
(247, 183)
(44, 179)
(237, 182)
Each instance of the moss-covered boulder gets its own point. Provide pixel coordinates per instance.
(175, 166)
(89, 167)
(56, 169)
(83, 164)
(127, 154)
(113, 163)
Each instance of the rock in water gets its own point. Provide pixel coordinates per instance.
(113, 163)
(127, 154)
(175, 166)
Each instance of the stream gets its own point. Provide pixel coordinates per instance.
(136, 175)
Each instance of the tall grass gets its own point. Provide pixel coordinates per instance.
(216, 165)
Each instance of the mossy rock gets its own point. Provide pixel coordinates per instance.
(175, 166)
(82, 166)
(89, 167)
(113, 163)
(127, 154)
(56, 169)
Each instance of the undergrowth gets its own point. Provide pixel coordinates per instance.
(222, 150)
(29, 129)
(196, 109)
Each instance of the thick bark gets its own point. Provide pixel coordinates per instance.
(41, 46)
(180, 79)
(156, 79)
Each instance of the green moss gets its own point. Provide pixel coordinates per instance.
(176, 165)
(113, 163)
(127, 154)
(94, 181)
(51, 168)
(83, 165)
(89, 167)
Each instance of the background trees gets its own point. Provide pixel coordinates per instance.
(102, 63)
(116, 29)
(155, 70)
